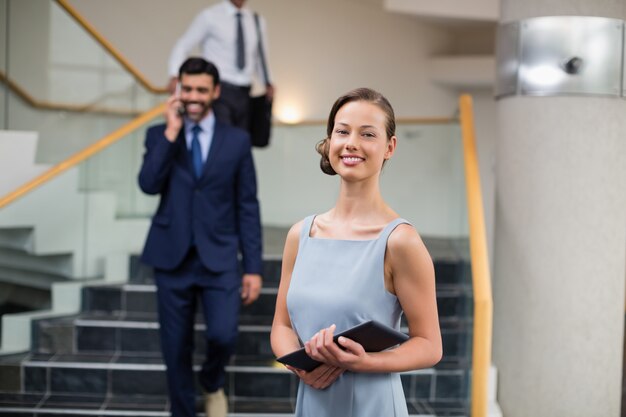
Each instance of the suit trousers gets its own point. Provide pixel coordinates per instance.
(178, 293)
(233, 105)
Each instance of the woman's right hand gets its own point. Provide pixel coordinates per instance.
(319, 378)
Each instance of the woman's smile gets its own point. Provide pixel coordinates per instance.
(351, 160)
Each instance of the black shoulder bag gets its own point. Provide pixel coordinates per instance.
(261, 106)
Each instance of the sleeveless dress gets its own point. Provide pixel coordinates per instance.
(342, 282)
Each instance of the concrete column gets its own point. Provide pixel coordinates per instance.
(560, 243)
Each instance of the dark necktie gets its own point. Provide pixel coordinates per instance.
(196, 152)
(241, 58)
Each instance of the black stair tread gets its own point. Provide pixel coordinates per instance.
(136, 402)
(453, 300)
(127, 319)
(155, 362)
(63, 401)
(246, 322)
(101, 360)
(157, 405)
(14, 399)
(266, 289)
(116, 310)
(151, 288)
(13, 358)
(438, 408)
(137, 334)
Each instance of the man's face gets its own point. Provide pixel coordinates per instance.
(197, 93)
(238, 3)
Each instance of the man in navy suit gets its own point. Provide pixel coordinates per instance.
(208, 213)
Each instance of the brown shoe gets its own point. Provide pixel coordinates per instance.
(215, 404)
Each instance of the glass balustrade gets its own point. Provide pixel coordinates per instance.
(47, 56)
(423, 182)
(114, 170)
(4, 4)
(60, 82)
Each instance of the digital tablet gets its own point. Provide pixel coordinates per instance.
(372, 335)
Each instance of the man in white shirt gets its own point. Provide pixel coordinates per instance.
(227, 35)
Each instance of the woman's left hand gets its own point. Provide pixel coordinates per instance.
(346, 354)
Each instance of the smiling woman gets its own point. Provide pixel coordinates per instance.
(359, 140)
(360, 96)
(357, 262)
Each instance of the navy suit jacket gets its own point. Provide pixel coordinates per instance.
(219, 211)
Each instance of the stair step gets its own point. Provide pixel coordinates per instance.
(91, 333)
(28, 278)
(142, 274)
(452, 300)
(41, 404)
(112, 374)
(107, 359)
(57, 264)
(138, 299)
(17, 238)
(139, 375)
(449, 269)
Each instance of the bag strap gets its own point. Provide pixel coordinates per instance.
(261, 50)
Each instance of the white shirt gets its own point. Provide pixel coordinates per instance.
(205, 136)
(215, 30)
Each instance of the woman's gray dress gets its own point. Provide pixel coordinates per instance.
(341, 282)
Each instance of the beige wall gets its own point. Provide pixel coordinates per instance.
(318, 49)
(29, 69)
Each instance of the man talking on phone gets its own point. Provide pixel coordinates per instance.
(207, 214)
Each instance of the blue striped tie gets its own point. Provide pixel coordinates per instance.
(196, 152)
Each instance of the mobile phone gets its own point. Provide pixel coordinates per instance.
(181, 110)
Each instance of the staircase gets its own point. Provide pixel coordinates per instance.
(105, 361)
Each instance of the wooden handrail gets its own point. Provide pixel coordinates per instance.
(481, 279)
(82, 155)
(75, 108)
(110, 48)
(89, 108)
(130, 127)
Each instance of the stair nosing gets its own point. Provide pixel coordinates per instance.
(152, 288)
(154, 325)
(83, 411)
(161, 367)
(100, 412)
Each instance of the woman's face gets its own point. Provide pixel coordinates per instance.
(359, 143)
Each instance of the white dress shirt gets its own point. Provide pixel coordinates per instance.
(215, 30)
(205, 136)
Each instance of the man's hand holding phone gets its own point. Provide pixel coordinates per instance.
(173, 115)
